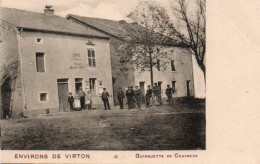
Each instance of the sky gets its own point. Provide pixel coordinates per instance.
(109, 9)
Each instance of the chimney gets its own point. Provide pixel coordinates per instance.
(48, 10)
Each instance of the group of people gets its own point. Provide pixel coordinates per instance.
(134, 96)
(86, 99)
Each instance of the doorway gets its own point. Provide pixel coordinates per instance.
(188, 88)
(6, 98)
(142, 91)
(78, 84)
(63, 92)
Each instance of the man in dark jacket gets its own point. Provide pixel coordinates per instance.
(148, 96)
(105, 96)
(137, 95)
(120, 98)
(82, 95)
(71, 101)
(157, 93)
(130, 95)
(169, 91)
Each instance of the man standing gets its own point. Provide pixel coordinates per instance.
(130, 95)
(157, 93)
(169, 91)
(105, 96)
(120, 98)
(148, 96)
(71, 101)
(82, 95)
(137, 95)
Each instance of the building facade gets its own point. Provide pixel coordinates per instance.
(57, 56)
(180, 77)
(177, 73)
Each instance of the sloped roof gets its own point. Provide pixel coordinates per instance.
(42, 22)
(118, 29)
(109, 26)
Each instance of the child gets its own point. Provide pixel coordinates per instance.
(71, 101)
(88, 100)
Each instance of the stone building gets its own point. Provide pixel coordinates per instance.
(55, 56)
(178, 74)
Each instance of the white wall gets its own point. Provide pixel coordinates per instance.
(199, 83)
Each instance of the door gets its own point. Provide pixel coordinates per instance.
(188, 88)
(160, 85)
(63, 96)
(142, 91)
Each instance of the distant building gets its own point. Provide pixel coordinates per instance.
(178, 74)
(56, 56)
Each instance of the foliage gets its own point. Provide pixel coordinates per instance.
(190, 27)
(143, 42)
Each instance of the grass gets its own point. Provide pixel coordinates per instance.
(158, 128)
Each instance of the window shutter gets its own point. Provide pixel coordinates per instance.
(87, 85)
(40, 62)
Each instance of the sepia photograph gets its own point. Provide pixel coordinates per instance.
(103, 75)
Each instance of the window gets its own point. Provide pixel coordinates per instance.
(78, 84)
(173, 84)
(38, 40)
(92, 85)
(158, 64)
(173, 65)
(40, 62)
(91, 58)
(43, 96)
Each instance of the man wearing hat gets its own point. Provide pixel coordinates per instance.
(137, 95)
(120, 98)
(157, 93)
(130, 96)
(148, 96)
(169, 91)
(105, 97)
(82, 95)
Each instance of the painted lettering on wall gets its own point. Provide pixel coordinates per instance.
(77, 64)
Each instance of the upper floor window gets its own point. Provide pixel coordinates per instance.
(39, 40)
(40, 62)
(91, 58)
(173, 65)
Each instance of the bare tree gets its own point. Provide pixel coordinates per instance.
(7, 74)
(143, 43)
(190, 27)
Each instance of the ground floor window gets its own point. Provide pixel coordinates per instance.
(92, 85)
(43, 97)
(160, 84)
(173, 84)
(78, 84)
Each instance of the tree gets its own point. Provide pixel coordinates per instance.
(190, 28)
(143, 42)
(7, 74)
